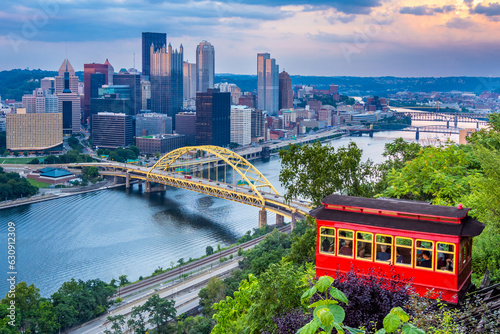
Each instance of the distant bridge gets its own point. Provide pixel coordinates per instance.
(213, 171)
(445, 117)
(444, 129)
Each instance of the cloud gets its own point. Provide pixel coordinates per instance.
(426, 10)
(348, 7)
(460, 23)
(492, 9)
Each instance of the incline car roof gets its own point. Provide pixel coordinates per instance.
(397, 205)
(468, 227)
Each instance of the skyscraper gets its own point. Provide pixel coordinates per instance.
(166, 81)
(267, 83)
(213, 113)
(68, 98)
(91, 81)
(189, 80)
(285, 91)
(134, 82)
(241, 125)
(158, 40)
(205, 66)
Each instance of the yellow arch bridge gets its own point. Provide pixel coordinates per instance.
(213, 171)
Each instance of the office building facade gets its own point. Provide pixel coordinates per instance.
(133, 81)
(285, 91)
(160, 143)
(166, 81)
(185, 123)
(213, 118)
(152, 124)
(189, 81)
(205, 66)
(68, 99)
(258, 123)
(267, 83)
(93, 82)
(34, 131)
(241, 125)
(111, 130)
(157, 41)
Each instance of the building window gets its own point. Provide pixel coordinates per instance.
(346, 239)
(445, 257)
(364, 246)
(423, 254)
(404, 251)
(383, 247)
(327, 240)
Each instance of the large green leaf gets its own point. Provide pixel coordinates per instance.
(339, 295)
(324, 283)
(391, 322)
(400, 313)
(309, 293)
(323, 302)
(411, 329)
(310, 328)
(325, 316)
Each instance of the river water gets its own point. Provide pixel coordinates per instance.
(116, 232)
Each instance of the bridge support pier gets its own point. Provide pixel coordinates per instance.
(371, 133)
(448, 124)
(477, 125)
(149, 189)
(127, 181)
(294, 220)
(417, 135)
(262, 218)
(115, 179)
(456, 121)
(140, 183)
(280, 220)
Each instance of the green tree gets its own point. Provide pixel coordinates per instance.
(214, 292)
(90, 171)
(439, 174)
(117, 322)
(194, 325)
(209, 250)
(316, 171)
(304, 245)
(123, 280)
(160, 312)
(26, 299)
(47, 318)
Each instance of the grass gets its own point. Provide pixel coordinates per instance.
(38, 184)
(16, 160)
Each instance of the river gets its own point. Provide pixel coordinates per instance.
(116, 232)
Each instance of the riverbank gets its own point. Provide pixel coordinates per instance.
(62, 192)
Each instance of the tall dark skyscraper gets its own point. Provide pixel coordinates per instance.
(158, 40)
(205, 66)
(285, 91)
(267, 83)
(166, 81)
(213, 118)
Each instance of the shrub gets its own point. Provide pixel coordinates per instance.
(371, 296)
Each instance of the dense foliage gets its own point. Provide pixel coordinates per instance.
(315, 171)
(120, 154)
(13, 186)
(15, 83)
(74, 303)
(70, 157)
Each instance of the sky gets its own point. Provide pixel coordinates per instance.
(323, 38)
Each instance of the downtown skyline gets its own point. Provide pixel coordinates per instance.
(324, 38)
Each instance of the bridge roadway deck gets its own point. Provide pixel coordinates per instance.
(242, 194)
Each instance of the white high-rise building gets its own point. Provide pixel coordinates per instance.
(41, 101)
(189, 80)
(241, 125)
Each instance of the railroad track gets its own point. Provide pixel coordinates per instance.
(136, 287)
